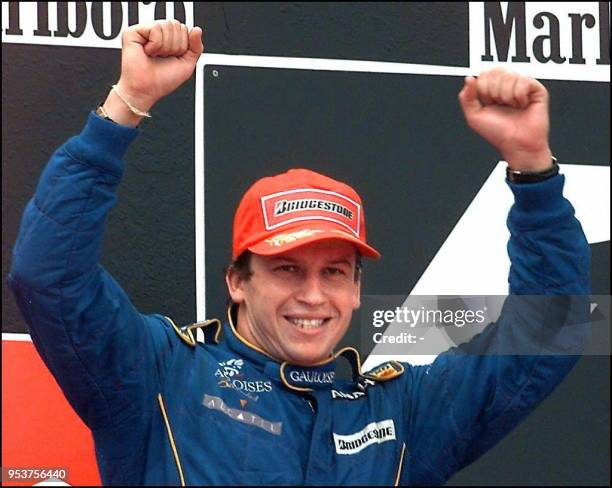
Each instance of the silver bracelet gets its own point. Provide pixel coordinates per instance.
(133, 109)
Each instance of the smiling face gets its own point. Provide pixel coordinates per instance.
(297, 306)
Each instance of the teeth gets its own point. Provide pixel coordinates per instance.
(307, 323)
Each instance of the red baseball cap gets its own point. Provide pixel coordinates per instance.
(282, 212)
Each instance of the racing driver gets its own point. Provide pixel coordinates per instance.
(256, 400)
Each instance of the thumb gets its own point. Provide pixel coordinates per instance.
(139, 34)
(468, 97)
(149, 36)
(195, 44)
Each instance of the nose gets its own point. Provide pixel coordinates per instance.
(311, 292)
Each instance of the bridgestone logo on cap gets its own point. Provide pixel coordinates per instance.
(310, 204)
(374, 433)
(286, 206)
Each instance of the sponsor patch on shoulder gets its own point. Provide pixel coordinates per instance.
(386, 371)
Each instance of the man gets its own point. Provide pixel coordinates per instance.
(258, 402)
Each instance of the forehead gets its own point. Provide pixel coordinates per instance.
(323, 250)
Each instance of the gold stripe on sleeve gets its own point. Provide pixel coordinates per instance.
(171, 437)
(399, 468)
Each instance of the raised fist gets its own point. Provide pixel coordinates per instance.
(510, 111)
(156, 59)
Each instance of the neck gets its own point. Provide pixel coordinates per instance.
(241, 327)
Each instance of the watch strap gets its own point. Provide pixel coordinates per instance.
(516, 176)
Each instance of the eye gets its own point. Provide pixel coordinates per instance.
(335, 271)
(287, 268)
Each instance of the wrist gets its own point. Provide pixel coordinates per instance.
(125, 106)
(119, 112)
(517, 176)
(135, 97)
(531, 162)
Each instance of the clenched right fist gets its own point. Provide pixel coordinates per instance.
(156, 59)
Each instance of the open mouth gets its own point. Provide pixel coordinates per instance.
(307, 323)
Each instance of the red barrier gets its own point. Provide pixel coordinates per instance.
(39, 428)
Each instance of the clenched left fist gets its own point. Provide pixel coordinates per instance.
(510, 111)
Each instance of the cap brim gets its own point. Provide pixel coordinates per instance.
(287, 240)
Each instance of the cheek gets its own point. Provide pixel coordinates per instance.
(352, 298)
(267, 299)
(345, 306)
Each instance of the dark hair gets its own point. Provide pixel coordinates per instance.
(242, 266)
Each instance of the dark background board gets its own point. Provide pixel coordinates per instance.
(47, 92)
(399, 139)
(403, 32)
(402, 142)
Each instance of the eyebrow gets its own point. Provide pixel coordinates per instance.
(341, 261)
(276, 259)
(281, 258)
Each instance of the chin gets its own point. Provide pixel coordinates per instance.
(308, 359)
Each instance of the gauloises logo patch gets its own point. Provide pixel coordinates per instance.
(292, 206)
(308, 377)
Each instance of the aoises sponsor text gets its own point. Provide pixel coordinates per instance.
(248, 386)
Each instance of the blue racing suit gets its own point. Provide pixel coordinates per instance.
(167, 409)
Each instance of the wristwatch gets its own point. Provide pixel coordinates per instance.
(102, 113)
(516, 176)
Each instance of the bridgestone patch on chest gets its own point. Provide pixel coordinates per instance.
(374, 433)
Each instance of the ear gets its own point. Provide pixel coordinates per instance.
(234, 285)
(357, 294)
